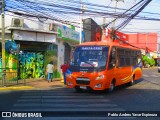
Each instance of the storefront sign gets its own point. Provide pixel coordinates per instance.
(68, 34)
(33, 36)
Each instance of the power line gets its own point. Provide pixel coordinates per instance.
(64, 7)
(54, 17)
(134, 14)
(39, 13)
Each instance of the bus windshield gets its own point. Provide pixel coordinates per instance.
(89, 58)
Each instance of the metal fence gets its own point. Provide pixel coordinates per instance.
(10, 77)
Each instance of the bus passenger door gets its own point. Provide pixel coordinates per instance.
(112, 71)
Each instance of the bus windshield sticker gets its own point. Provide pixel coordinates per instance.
(87, 64)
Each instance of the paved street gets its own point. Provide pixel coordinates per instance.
(62, 103)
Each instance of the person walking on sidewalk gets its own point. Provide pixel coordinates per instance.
(64, 68)
(49, 70)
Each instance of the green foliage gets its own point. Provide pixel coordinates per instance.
(51, 55)
(13, 79)
(56, 74)
(147, 60)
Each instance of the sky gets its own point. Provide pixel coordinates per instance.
(151, 11)
(135, 25)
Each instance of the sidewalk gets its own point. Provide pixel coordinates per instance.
(44, 84)
(36, 84)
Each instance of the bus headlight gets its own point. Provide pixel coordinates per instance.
(100, 77)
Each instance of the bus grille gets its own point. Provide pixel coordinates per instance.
(84, 81)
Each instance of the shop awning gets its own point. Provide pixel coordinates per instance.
(32, 30)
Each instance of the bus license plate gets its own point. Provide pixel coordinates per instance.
(83, 87)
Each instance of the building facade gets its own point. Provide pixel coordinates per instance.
(39, 44)
(147, 41)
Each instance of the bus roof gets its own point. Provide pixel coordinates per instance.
(99, 43)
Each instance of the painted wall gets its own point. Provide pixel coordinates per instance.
(52, 55)
(149, 40)
(28, 23)
(11, 66)
(60, 54)
(31, 65)
(0, 66)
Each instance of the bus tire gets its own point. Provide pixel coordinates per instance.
(132, 82)
(112, 86)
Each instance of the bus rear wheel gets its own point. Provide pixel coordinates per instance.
(132, 82)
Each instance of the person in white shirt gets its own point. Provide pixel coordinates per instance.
(49, 70)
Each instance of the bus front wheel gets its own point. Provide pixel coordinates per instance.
(112, 87)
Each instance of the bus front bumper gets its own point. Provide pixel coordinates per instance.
(94, 85)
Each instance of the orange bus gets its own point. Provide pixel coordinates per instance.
(103, 65)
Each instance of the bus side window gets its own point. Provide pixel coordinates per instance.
(139, 58)
(112, 61)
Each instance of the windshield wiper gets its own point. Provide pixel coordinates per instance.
(89, 63)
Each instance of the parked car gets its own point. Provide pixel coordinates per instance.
(158, 64)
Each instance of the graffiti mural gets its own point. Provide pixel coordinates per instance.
(0, 67)
(31, 65)
(51, 55)
(12, 47)
(11, 66)
(27, 64)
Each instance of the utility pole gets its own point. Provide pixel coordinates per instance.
(81, 21)
(103, 28)
(80, 34)
(3, 45)
(146, 41)
(113, 23)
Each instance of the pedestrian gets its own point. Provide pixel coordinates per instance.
(64, 68)
(49, 71)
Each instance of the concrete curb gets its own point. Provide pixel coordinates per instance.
(150, 68)
(17, 88)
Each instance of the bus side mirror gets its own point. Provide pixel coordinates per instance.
(111, 65)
